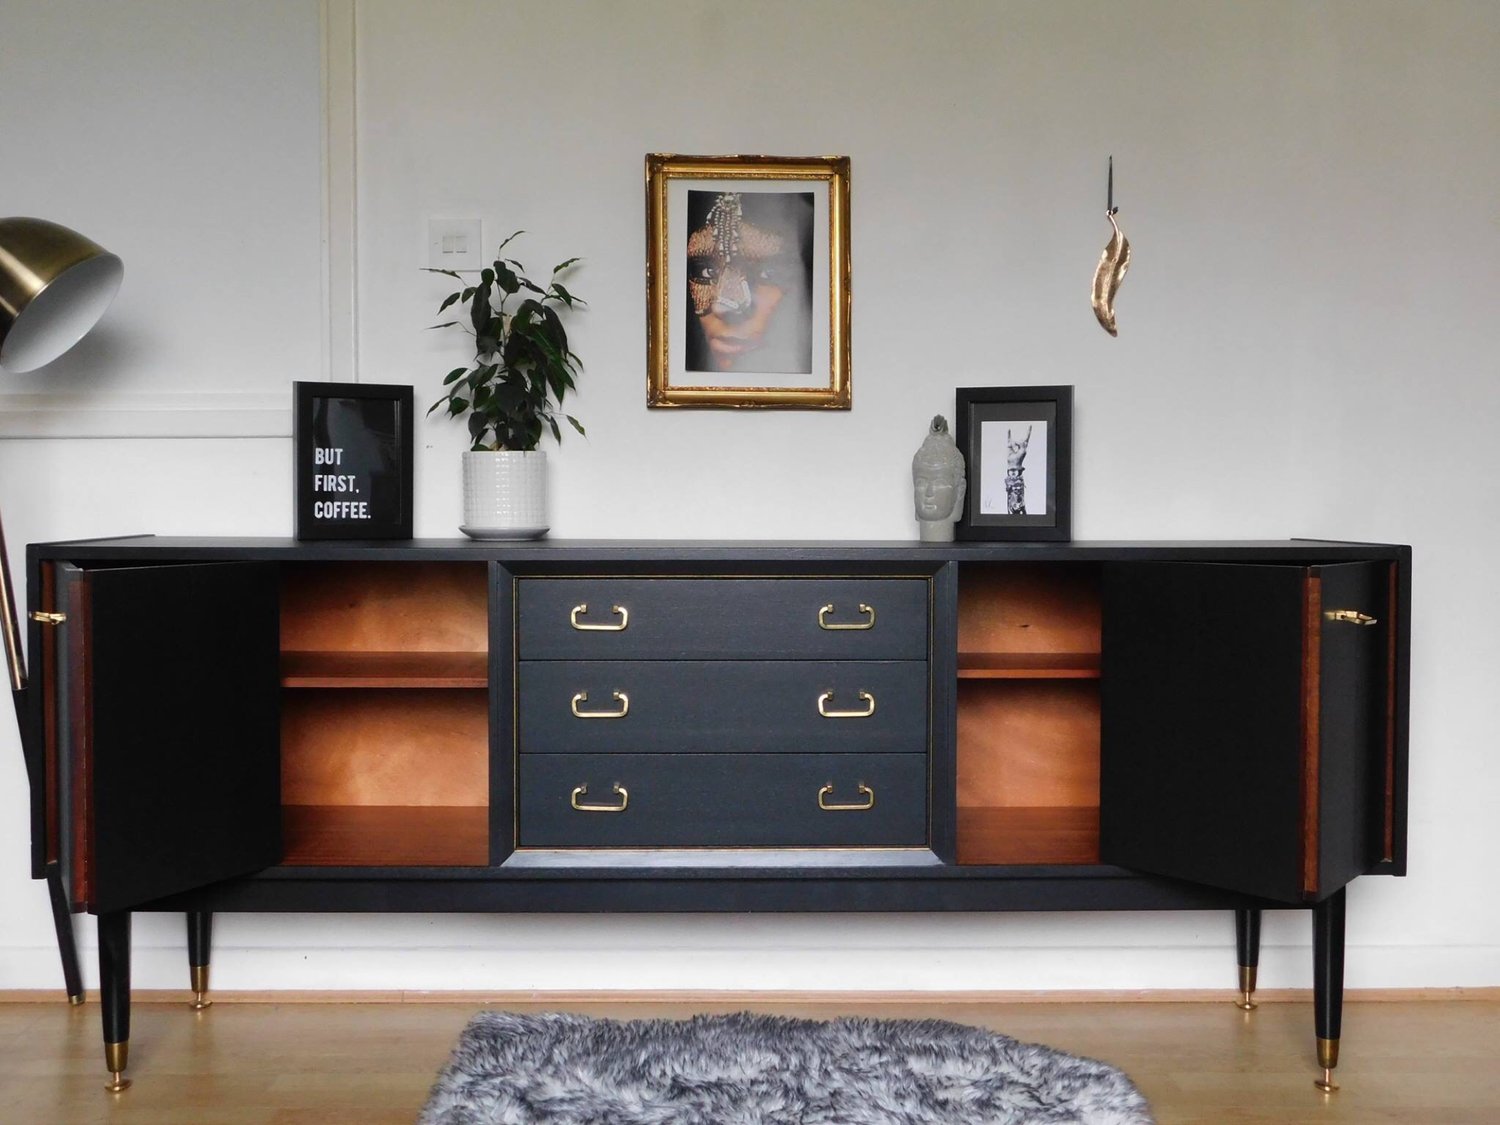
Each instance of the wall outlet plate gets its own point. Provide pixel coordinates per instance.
(455, 244)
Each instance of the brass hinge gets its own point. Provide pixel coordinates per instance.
(1352, 616)
(48, 618)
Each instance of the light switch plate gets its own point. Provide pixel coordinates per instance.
(455, 244)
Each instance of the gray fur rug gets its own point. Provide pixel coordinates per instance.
(767, 1070)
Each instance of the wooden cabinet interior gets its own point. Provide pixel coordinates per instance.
(1028, 713)
(385, 714)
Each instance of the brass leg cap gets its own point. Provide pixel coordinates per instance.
(1247, 988)
(76, 1001)
(201, 1001)
(1326, 1083)
(117, 1082)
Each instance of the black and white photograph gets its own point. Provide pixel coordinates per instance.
(1017, 443)
(747, 269)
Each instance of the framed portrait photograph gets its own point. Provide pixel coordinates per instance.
(747, 281)
(353, 450)
(1017, 444)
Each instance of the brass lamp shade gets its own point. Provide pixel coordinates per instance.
(54, 286)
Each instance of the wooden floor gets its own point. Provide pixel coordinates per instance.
(1412, 1062)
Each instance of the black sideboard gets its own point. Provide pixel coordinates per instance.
(272, 725)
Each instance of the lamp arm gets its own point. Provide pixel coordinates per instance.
(15, 662)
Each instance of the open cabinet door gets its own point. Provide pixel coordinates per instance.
(1244, 730)
(169, 695)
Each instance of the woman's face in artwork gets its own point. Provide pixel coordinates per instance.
(738, 273)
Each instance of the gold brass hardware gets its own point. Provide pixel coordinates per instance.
(827, 609)
(582, 791)
(1247, 988)
(582, 628)
(1328, 1058)
(824, 699)
(864, 789)
(1352, 616)
(583, 697)
(48, 618)
(199, 974)
(116, 1058)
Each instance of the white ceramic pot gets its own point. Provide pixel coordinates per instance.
(505, 494)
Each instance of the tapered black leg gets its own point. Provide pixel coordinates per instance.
(1328, 982)
(114, 994)
(200, 925)
(62, 922)
(1247, 946)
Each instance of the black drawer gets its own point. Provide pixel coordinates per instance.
(668, 706)
(722, 618)
(723, 800)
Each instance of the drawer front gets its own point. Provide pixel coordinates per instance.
(723, 800)
(723, 706)
(722, 618)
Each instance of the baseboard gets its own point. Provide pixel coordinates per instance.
(711, 999)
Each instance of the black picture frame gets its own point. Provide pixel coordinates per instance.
(989, 461)
(353, 460)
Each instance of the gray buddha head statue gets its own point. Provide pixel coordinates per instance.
(938, 482)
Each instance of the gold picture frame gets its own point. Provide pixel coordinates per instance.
(737, 322)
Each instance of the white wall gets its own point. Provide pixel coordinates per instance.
(1306, 348)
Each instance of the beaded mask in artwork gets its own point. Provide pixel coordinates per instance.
(722, 253)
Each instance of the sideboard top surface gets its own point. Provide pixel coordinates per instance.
(148, 548)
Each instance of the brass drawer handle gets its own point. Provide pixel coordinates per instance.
(1352, 616)
(583, 697)
(864, 790)
(827, 609)
(823, 710)
(584, 608)
(582, 791)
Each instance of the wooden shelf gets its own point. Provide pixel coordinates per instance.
(1028, 665)
(1029, 835)
(328, 669)
(385, 836)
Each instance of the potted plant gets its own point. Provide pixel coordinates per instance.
(512, 393)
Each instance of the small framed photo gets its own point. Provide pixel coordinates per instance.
(353, 475)
(747, 281)
(1018, 445)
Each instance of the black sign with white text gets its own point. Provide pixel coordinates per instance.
(353, 446)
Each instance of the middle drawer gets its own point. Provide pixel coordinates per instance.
(722, 706)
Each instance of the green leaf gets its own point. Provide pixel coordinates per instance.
(479, 311)
(448, 300)
(457, 405)
(563, 293)
(445, 273)
(487, 278)
(572, 421)
(507, 242)
(506, 277)
(557, 269)
(456, 373)
(445, 324)
(556, 433)
(477, 426)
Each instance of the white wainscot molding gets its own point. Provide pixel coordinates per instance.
(184, 414)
